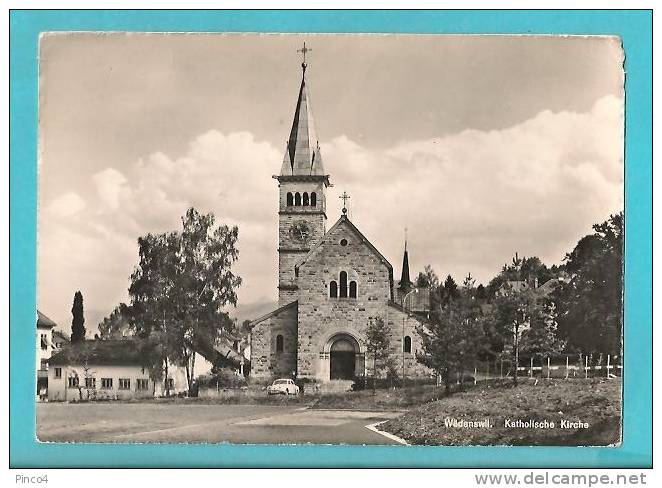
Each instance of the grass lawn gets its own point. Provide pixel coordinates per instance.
(593, 401)
(383, 400)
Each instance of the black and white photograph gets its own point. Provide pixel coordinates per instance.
(347, 239)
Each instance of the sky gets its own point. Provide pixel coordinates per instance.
(481, 146)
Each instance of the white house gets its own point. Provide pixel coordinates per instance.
(107, 369)
(44, 338)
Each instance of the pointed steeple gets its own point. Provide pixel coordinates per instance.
(303, 157)
(405, 281)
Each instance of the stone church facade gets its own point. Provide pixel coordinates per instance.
(331, 284)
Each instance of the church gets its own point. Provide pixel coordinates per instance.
(331, 282)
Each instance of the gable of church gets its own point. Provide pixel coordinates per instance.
(344, 246)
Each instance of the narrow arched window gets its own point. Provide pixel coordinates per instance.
(279, 343)
(290, 199)
(333, 289)
(343, 284)
(407, 345)
(305, 199)
(297, 199)
(313, 199)
(352, 289)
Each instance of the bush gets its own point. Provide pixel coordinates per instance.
(221, 378)
(359, 383)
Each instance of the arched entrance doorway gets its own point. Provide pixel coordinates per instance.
(343, 359)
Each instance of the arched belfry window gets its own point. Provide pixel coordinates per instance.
(305, 199)
(343, 284)
(407, 344)
(290, 199)
(313, 199)
(297, 199)
(333, 289)
(279, 343)
(352, 289)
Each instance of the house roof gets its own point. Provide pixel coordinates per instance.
(221, 354)
(409, 312)
(101, 352)
(273, 313)
(44, 321)
(327, 236)
(61, 334)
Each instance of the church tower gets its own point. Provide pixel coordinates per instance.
(302, 187)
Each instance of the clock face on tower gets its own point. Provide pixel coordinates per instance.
(300, 231)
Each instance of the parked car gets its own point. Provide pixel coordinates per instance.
(283, 387)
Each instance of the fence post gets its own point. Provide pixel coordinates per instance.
(487, 375)
(567, 367)
(501, 372)
(547, 367)
(475, 375)
(608, 366)
(586, 367)
(531, 368)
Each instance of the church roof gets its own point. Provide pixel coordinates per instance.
(273, 313)
(364, 239)
(303, 157)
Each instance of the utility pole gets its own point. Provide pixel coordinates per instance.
(165, 330)
(404, 319)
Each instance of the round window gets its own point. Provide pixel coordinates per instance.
(343, 242)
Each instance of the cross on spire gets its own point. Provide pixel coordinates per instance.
(304, 50)
(344, 198)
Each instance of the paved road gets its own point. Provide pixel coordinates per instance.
(176, 422)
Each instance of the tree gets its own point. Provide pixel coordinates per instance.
(541, 339)
(427, 278)
(377, 344)
(154, 295)
(590, 304)
(512, 313)
(454, 337)
(448, 292)
(78, 321)
(118, 323)
(181, 284)
(530, 269)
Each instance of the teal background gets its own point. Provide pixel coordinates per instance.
(635, 29)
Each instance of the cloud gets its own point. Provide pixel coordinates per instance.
(470, 200)
(66, 205)
(110, 184)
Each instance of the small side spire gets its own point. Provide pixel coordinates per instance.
(405, 280)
